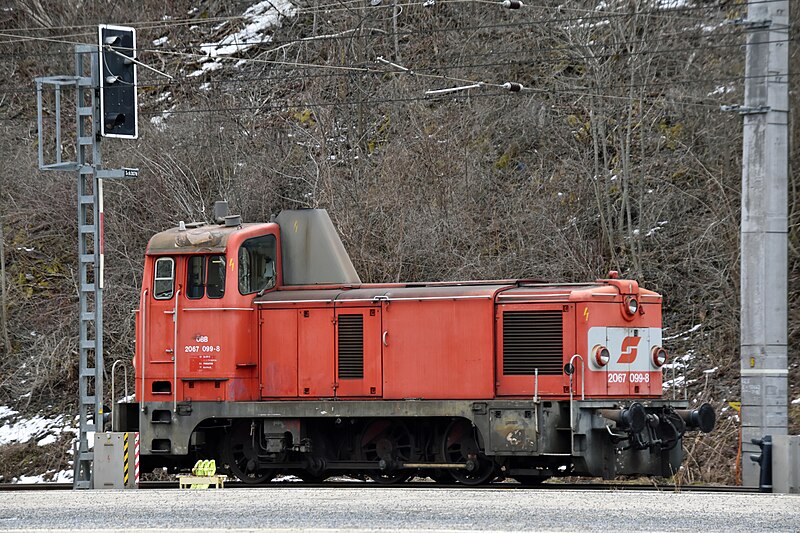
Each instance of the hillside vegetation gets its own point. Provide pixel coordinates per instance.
(615, 156)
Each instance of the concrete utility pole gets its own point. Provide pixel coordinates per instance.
(764, 230)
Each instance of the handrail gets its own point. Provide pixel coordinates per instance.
(175, 354)
(113, 381)
(571, 408)
(143, 343)
(583, 374)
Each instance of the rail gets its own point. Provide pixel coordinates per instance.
(354, 484)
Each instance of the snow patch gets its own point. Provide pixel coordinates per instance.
(49, 439)
(159, 121)
(796, 401)
(581, 25)
(722, 90)
(652, 231)
(291, 479)
(258, 19)
(680, 362)
(679, 381)
(206, 67)
(684, 333)
(25, 429)
(671, 4)
(64, 476)
(160, 41)
(6, 411)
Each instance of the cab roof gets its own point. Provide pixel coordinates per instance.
(196, 238)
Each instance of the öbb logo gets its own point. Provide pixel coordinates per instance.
(629, 350)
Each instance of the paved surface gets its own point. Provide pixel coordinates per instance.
(370, 509)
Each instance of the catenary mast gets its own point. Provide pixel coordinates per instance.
(764, 228)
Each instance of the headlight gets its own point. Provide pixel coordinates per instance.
(601, 355)
(659, 356)
(631, 305)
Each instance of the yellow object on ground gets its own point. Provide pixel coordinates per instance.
(203, 475)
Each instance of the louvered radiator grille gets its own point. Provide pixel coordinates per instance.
(532, 339)
(351, 346)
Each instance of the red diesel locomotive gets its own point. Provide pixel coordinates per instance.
(257, 345)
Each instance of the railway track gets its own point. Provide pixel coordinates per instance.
(14, 487)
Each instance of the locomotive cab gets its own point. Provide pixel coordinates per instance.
(199, 284)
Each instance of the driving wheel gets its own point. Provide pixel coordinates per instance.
(389, 441)
(461, 446)
(241, 454)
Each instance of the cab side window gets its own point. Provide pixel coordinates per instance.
(195, 275)
(205, 275)
(257, 264)
(164, 279)
(215, 285)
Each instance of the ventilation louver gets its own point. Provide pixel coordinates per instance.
(532, 339)
(351, 346)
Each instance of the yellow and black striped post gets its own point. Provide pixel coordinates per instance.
(125, 458)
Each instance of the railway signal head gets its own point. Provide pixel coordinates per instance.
(118, 102)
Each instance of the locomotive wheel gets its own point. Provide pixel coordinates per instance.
(460, 446)
(390, 441)
(241, 455)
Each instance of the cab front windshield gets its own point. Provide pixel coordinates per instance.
(257, 264)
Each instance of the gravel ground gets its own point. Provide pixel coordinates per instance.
(418, 509)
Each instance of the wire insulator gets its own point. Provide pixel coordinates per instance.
(512, 4)
(513, 87)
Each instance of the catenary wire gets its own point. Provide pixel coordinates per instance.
(306, 40)
(353, 68)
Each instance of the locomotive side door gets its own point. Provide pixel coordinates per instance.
(315, 350)
(358, 358)
(158, 332)
(297, 349)
(278, 339)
